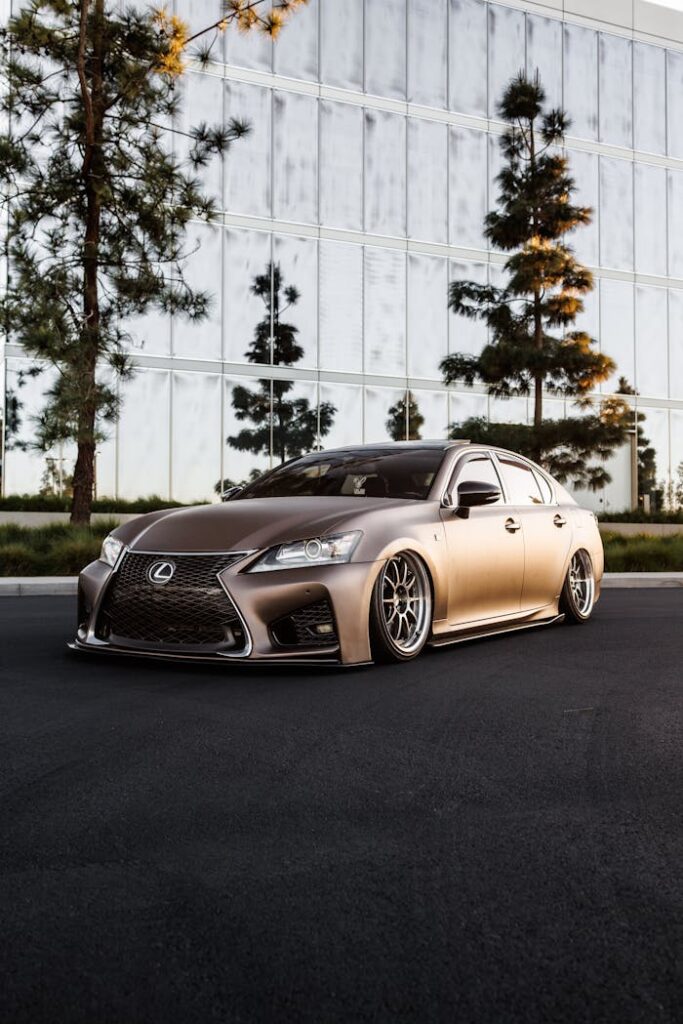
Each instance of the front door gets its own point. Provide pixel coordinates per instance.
(485, 551)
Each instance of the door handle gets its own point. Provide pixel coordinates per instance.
(559, 520)
(512, 525)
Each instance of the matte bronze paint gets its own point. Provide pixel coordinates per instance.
(483, 575)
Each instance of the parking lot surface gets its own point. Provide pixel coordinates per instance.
(493, 833)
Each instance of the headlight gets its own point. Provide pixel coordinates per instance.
(315, 551)
(111, 549)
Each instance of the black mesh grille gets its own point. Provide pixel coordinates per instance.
(191, 610)
(300, 628)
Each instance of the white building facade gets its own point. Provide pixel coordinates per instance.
(364, 184)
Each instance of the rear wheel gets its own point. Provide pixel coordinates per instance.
(578, 593)
(401, 609)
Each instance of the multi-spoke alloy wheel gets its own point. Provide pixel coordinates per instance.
(402, 612)
(578, 594)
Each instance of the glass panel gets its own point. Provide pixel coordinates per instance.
(250, 49)
(649, 81)
(468, 178)
(653, 462)
(341, 44)
(467, 90)
(248, 163)
(385, 412)
(677, 457)
(675, 234)
(650, 226)
(616, 329)
(295, 53)
(427, 52)
(248, 255)
(385, 48)
(520, 484)
(341, 306)
(347, 423)
(150, 333)
(202, 339)
(385, 311)
(616, 90)
(427, 174)
(544, 55)
(586, 240)
(674, 102)
(465, 335)
(427, 414)
(676, 344)
(295, 419)
(297, 261)
(652, 369)
(463, 406)
(201, 100)
(616, 213)
(589, 319)
(198, 15)
(295, 159)
(385, 173)
(581, 79)
(196, 436)
(24, 469)
(506, 51)
(508, 410)
(341, 171)
(427, 315)
(246, 426)
(144, 429)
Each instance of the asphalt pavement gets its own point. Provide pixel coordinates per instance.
(493, 833)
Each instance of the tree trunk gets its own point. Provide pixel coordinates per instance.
(93, 109)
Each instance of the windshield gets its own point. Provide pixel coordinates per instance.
(361, 474)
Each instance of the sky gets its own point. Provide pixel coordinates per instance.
(676, 4)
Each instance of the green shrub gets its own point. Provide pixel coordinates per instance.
(641, 517)
(55, 550)
(643, 553)
(53, 503)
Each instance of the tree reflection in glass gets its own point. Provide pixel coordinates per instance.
(281, 425)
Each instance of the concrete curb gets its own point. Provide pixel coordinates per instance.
(64, 586)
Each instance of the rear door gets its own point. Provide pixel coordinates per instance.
(485, 550)
(546, 530)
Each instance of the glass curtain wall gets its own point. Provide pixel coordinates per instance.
(357, 197)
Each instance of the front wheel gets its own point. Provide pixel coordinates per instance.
(578, 593)
(401, 609)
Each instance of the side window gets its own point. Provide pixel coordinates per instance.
(521, 483)
(546, 489)
(479, 468)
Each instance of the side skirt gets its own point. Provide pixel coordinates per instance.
(499, 630)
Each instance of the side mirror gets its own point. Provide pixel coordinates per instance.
(476, 492)
(231, 493)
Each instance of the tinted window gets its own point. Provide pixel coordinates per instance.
(521, 484)
(361, 474)
(480, 469)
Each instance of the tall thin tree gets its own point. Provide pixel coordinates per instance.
(534, 346)
(98, 201)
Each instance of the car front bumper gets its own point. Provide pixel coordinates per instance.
(261, 600)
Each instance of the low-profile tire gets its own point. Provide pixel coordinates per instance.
(401, 609)
(577, 599)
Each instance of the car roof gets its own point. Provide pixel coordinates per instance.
(398, 446)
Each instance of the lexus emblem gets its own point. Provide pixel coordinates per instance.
(160, 572)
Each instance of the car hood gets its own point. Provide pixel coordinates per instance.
(250, 524)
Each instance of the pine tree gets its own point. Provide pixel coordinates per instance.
(98, 203)
(285, 425)
(405, 420)
(533, 345)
